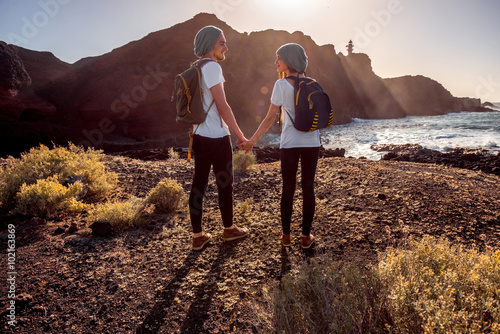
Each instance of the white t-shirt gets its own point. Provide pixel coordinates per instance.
(211, 75)
(291, 137)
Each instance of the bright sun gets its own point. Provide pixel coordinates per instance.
(288, 7)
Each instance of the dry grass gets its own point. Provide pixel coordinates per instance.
(47, 198)
(432, 287)
(243, 162)
(437, 287)
(167, 197)
(32, 179)
(121, 215)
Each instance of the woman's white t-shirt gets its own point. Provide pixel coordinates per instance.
(291, 137)
(213, 126)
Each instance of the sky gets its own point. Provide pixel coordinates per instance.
(455, 42)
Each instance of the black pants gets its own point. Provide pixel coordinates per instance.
(208, 152)
(289, 165)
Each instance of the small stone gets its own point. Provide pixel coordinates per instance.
(103, 229)
(24, 298)
(73, 227)
(59, 230)
(382, 197)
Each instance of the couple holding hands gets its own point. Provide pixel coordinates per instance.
(212, 144)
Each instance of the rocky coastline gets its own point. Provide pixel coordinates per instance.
(478, 159)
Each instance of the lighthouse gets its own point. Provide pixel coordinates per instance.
(350, 47)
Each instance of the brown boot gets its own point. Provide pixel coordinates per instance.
(285, 240)
(307, 241)
(199, 242)
(234, 233)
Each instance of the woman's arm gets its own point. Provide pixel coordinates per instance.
(266, 123)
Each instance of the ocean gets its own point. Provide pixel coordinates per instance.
(464, 129)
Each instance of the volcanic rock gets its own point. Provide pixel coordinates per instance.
(102, 229)
(459, 157)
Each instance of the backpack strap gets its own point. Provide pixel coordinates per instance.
(192, 133)
(199, 64)
(281, 109)
(289, 116)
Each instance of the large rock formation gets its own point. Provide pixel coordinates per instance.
(400, 97)
(121, 100)
(22, 109)
(421, 96)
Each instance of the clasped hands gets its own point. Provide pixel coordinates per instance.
(245, 144)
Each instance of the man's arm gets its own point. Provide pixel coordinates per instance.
(225, 111)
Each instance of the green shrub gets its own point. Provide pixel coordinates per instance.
(242, 161)
(436, 287)
(121, 215)
(58, 164)
(167, 196)
(47, 197)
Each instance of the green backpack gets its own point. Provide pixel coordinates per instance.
(189, 96)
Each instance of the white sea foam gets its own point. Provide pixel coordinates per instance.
(442, 133)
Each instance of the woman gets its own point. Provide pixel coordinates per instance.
(291, 60)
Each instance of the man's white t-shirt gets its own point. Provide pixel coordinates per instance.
(291, 137)
(211, 75)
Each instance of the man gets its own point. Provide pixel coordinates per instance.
(212, 142)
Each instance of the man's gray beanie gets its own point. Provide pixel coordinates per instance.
(205, 40)
(294, 56)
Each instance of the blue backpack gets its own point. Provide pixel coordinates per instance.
(313, 110)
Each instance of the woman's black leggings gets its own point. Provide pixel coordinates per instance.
(289, 166)
(216, 152)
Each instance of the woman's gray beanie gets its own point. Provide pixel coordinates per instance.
(205, 40)
(294, 56)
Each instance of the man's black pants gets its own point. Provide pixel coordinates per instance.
(208, 152)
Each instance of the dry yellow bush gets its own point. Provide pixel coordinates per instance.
(431, 287)
(242, 161)
(321, 296)
(47, 198)
(172, 154)
(59, 164)
(437, 287)
(121, 215)
(167, 196)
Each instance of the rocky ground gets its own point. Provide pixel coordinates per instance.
(148, 280)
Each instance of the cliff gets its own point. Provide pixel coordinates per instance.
(421, 96)
(121, 100)
(403, 96)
